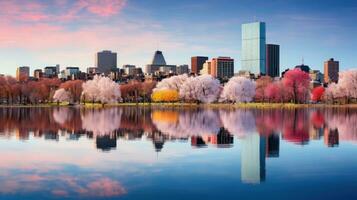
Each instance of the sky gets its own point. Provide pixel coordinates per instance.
(39, 33)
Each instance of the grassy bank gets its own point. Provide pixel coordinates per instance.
(193, 105)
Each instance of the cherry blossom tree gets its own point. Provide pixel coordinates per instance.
(172, 83)
(238, 89)
(348, 84)
(317, 93)
(202, 88)
(101, 89)
(61, 95)
(261, 85)
(297, 83)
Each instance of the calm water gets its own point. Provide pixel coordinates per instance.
(130, 153)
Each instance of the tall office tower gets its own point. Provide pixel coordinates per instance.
(253, 48)
(197, 63)
(222, 67)
(331, 69)
(272, 60)
(105, 61)
(22, 73)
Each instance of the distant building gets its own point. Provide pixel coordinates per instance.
(303, 67)
(272, 60)
(106, 142)
(254, 48)
(70, 73)
(92, 70)
(22, 73)
(129, 69)
(331, 70)
(222, 67)
(158, 65)
(51, 71)
(105, 61)
(182, 69)
(38, 73)
(197, 64)
(317, 78)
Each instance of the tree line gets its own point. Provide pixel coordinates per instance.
(294, 87)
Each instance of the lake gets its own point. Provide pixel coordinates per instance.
(153, 153)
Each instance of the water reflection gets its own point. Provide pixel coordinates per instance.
(201, 127)
(258, 133)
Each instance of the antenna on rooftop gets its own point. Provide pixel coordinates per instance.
(302, 60)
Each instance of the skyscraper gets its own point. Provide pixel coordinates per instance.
(331, 69)
(272, 60)
(22, 73)
(253, 48)
(197, 63)
(105, 61)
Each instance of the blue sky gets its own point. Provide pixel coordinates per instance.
(39, 33)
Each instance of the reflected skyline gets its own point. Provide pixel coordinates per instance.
(119, 137)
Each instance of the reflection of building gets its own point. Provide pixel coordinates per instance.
(272, 60)
(331, 69)
(105, 61)
(272, 147)
(197, 63)
(222, 140)
(106, 142)
(253, 158)
(253, 48)
(331, 138)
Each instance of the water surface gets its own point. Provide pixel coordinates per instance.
(141, 153)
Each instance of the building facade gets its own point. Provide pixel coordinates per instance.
(254, 48)
(158, 65)
(22, 73)
(182, 69)
(206, 68)
(105, 61)
(222, 67)
(38, 73)
(272, 60)
(331, 70)
(51, 72)
(197, 64)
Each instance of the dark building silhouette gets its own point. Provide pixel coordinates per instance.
(197, 141)
(224, 139)
(272, 60)
(105, 61)
(303, 67)
(197, 63)
(106, 142)
(272, 147)
(331, 138)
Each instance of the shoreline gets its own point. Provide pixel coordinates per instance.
(192, 105)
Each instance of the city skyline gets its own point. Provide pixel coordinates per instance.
(74, 30)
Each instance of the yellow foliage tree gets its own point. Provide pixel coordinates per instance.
(165, 96)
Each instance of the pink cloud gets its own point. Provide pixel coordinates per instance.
(103, 7)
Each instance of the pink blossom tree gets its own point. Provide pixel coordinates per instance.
(297, 83)
(348, 84)
(239, 89)
(203, 89)
(61, 95)
(172, 83)
(101, 89)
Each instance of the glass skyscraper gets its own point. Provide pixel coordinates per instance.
(253, 48)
